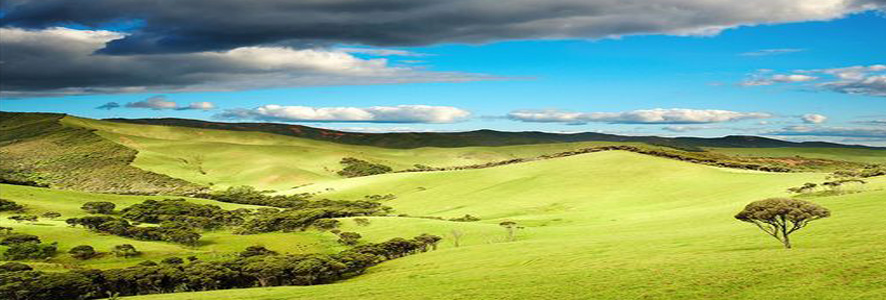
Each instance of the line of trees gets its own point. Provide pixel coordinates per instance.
(255, 267)
(358, 167)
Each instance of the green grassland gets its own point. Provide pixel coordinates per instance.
(269, 161)
(609, 225)
(603, 225)
(214, 244)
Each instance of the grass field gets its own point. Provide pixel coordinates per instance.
(611, 225)
(269, 161)
(604, 225)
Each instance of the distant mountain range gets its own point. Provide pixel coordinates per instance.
(408, 140)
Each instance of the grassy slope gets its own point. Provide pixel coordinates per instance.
(213, 244)
(610, 225)
(40, 148)
(277, 162)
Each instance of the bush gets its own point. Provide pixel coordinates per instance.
(101, 207)
(30, 250)
(348, 238)
(14, 267)
(9, 205)
(362, 221)
(125, 250)
(19, 238)
(51, 215)
(172, 261)
(326, 224)
(466, 218)
(82, 252)
(20, 218)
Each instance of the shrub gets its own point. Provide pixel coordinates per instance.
(466, 218)
(348, 238)
(172, 261)
(326, 224)
(14, 267)
(20, 218)
(362, 221)
(9, 205)
(82, 252)
(19, 238)
(125, 250)
(30, 250)
(101, 207)
(51, 215)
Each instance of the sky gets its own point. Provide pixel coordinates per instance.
(795, 70)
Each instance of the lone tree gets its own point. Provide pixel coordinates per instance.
(511, 227)
(101, 207)
(779, 217)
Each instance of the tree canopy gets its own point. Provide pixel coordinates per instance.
(779, 217)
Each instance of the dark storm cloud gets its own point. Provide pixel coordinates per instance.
(196, 25)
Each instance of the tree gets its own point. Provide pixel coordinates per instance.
(51, 215)
(14, 267)
(326, 224)
(456, 237)
(511, 227)
(348, 238)
(82, 252)
(125, 250)
(362, 221)
(101, 207)
(779, 217)
(256, 251)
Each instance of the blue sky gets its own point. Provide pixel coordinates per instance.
(547, 77)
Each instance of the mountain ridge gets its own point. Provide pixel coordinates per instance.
(483, 137)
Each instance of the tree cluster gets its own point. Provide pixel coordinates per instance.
(255, 267)
(249, 195)
(309, 214)
(184, 213)
(357, 167)
(27, 246)
(168, 231)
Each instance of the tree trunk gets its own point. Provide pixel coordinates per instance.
(787, 242)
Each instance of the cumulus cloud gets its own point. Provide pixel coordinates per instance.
(197, 25)
(381, 52)
(374, 114)
(856, 132)
(681, 128)
(760, 79)
(767, 52)
(857, 80)
(161, 103)
(645, 116)
(156, 102)
(814, 118)
(108, 106)
(61, 61)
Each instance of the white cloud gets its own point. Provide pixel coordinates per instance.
(680, 128)
(374, 114)
(767, 52)
(381, 52)
(62, 61)
(200, 105)
(647, 116)
(857, 80)
(814, 118)
(857, 132)
(155, 102)
(160, 103)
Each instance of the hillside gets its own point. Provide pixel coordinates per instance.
(658, 229)
(39, 149)
(484, 137)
